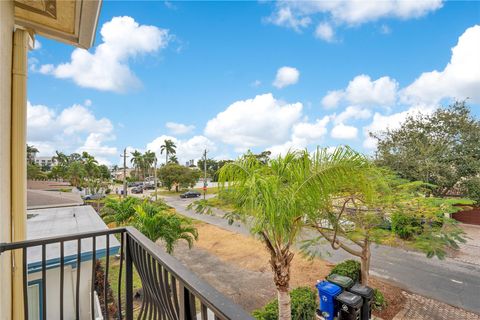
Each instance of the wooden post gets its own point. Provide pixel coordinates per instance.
(19, 162)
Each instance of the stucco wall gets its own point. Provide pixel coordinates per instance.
(70, 282)
(6, 37)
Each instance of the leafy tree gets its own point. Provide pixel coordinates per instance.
(273, 198)
(175, 175)
(169, 148)
(34, 172)
(213, 166)
(353, 221)
(121, 212)
(104, 172)
(440, 148)
(76, 172)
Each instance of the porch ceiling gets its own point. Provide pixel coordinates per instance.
(69, 21)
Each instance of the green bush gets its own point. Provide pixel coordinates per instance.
(405, 226)
(379, 302)
(349, 268)
(304, 304)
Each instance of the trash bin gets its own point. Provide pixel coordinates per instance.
(367, 296)
(349, 306)
(342, 281)
(327, 292)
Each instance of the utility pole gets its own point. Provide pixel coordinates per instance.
(124, 156)
(204, 173)
(155, 178)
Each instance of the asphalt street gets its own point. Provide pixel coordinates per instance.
(450, 281)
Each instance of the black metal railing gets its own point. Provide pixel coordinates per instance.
(168, 289)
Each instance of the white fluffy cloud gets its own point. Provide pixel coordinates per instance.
(107, 69)
(345, 132)
(286, 76)
(325, 31)
(284, 16)
(303, 134)
(73, 129)
(332, 99)
(256, 122)
(352, 112)
(179, 128)
(459, 79)
(393, 121)
(362, 90)
(187, 149)
(299, 14)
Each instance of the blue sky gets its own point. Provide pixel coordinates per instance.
(232, 76)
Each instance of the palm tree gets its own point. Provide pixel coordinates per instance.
(173, 159)
(149, 159)
(76, 173)
(160, 224)
(137, 160)
(274, 200)
(31, 153)
(121, 212)
(169, 148)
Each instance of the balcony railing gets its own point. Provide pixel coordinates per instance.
(169, 290)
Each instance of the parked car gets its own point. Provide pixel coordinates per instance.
(149, 185)
(190, 194)
(94, 196)
(134, 184)
(138, 189)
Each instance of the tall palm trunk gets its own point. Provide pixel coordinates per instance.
(280, 261)
(166, 157)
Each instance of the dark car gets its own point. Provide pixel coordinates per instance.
(190, 194)
(138, 189)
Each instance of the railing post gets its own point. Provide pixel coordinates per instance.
(129, 279)
(184, 303)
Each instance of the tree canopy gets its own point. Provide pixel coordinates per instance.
(178, 176)
(441, 148)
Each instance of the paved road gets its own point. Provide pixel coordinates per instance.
(450, 281)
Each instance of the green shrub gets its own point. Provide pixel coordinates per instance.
(349, 268)
(405, 226)
(304, 304)
(379, 302)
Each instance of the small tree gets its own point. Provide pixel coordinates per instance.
(354, 220)
(157, 223)
(272, 199)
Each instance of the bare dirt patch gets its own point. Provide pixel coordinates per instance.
(249, 254)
